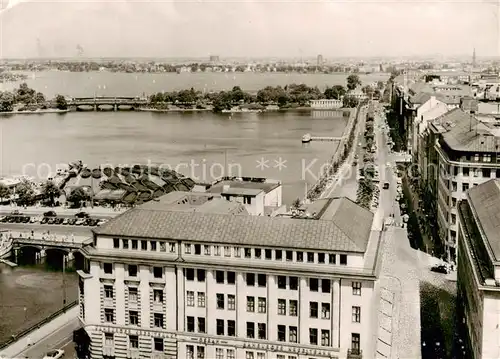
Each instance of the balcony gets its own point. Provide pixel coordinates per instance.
(158, 355)
(354, 354)
(108, 350)
(133, 354)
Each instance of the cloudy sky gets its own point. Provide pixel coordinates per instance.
(230, 28)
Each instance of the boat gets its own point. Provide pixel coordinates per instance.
(306, 138)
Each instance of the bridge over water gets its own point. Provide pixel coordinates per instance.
(102, 102)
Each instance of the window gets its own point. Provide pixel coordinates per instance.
(281, 333)
(132, 294)
(250, 304)
(190, 351)
(231, 302)
(220, 327)
(133, 317)
(108, 268)
(248, 253)
(231, 277)
(230, 354)
(313, 284)
(153, 246)
(331, 259)
(325, 285)
(262, 305)
(220, 301)
(200, 273)
(200, 352)
(134, 244)
(158, 272)
(219, 276)
(158, 320)
(219, 353)
(356, 314)
(261, 280)
(158, 344)
(197, 249)
(144, 245)
(262, 330)
(201, 299)
(293, 304)
(292, 334)
(321, 257)
(343, 259)
(250, 330)
(310, 257)
(187, 248)
(237, 252)
(313, 309)
(190, 298)
(356, 288)
(207, 250)
(109, 315)
(171, 247)
(325, 310)
(231, 328)
(281, 282)
(278, 255)
(201, 325)
(158, 296)
(313, 336)
(108, 291)
(217, 250)
(261, 355)
(269, 254)
(190, 324)
(227, 251)
(465, 187)
(257, 253)
(133, 341)
(249, 355)
(116, 243)
(465, 171)
(282, 306)
(293, 283)
(355, 343)
(300, 256)
(325, 338)
(125, 243)
(250, 279)
(132, 270)
(289, 256)
(453, 218)
(189, 273)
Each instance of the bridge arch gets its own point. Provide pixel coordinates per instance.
(29, 246)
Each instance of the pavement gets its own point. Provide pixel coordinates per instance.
(57, 334)
(104, 212)
(42, 229)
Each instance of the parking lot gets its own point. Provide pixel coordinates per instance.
(51, 218)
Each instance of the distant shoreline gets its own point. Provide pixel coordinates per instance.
(35, 112)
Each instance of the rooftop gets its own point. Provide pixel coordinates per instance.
(249, 183)
(343, 226)
(236, 191)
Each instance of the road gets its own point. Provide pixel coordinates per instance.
(78, 231)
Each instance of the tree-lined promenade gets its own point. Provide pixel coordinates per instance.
(25, 99)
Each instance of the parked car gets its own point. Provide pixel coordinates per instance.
(441, 268)
(51, 220)
(72, 221)
(44, 220)
(50, 214)
(82, 215)
(101, 221)
(80, 222)
(54, 354)
(15, 212)
(65, 221)
(58, 220)
(26, 220)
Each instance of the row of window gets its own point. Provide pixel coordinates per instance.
(145, 245)
(133, 317)
(133, 270)
(133, 342)
(269, 254)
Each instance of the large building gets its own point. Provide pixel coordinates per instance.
(186, 279)
(478, 278)
(465, 155)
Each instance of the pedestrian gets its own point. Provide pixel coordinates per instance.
(32, 233)
(28, 341)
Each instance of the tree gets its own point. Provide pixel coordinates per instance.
(296, 203)
(39, 98)
(51, 191)
(4, 192)
(223, 101)
(25, 192)
(353, 81)
(6, 102)
(24, 94)
(350, 101)
(335, 92)
(77, 196)
(61, 103)
(380, 85)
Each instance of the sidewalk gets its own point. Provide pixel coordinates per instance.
(37, 335)
(96, 211)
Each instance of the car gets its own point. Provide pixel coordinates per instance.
(80, 222)
(58, 220)
(15, 212)
(26, 219)
(386, 185)
(72, 221)
(54, 354)
(440, 268)
(50, 214)
(51, 220)
(82, 215)
(44, 220)
(65, 221)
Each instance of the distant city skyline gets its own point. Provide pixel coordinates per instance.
(249, 29)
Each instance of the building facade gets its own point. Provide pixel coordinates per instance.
(331, 104)
(478, 276)
(163, 283)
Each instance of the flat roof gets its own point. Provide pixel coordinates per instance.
(342, 232)
(236, 191)
(264, 186)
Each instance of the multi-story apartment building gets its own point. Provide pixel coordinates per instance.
(162, 281)
(478, 277)
(465, 156)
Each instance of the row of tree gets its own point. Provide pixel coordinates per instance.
(26, 98)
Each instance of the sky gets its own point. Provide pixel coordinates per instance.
(248, 28)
